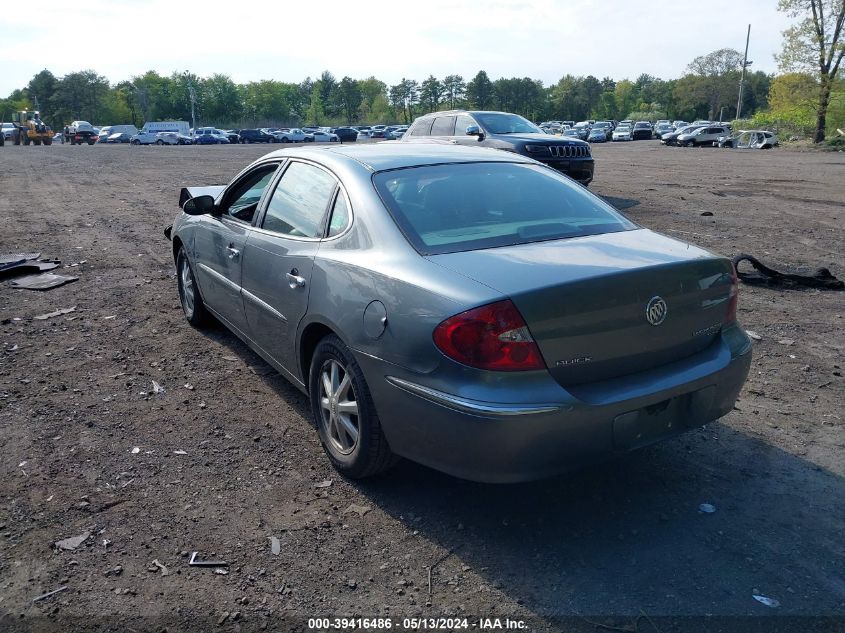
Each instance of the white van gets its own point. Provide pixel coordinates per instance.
(152, 127)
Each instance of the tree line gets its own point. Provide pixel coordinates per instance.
(708, 92)
(808, 95)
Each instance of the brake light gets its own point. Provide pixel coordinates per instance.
(730, 317)
(493, 337)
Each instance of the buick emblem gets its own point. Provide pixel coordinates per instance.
(656, 311)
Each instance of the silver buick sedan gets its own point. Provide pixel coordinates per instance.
(466, 308)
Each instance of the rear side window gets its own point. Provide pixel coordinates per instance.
(470, 206)
(340, 215)
(422, 127)
(299, 203)
(443, 126)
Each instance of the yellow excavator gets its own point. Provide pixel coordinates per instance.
(29, 128)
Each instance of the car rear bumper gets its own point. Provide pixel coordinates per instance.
(543, 429)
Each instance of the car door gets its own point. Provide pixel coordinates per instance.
(279, 257)
(220, 240)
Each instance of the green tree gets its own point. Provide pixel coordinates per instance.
(719, 78)
(349, 98)
(79, 96)
(221, 100)
(455, 87)
(431, 91)
(479, 92)
(315, 114)
(41, 88)
(815, 44)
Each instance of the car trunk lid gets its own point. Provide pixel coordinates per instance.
(586, 300)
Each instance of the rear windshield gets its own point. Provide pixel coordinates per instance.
(470, 206)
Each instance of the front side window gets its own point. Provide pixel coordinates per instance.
(462, 122)
(461, 207)
(245, 197)
(299, 202)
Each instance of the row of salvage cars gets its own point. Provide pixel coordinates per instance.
(467, 308)
(720, 135)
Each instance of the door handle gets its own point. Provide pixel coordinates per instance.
(234, 253)
(294, 280)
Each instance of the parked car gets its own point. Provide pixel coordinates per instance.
(607, 126)
(144, 137)
(750, 139)
(290, 135)
(662, 128)
(474, 311)
(707, 135)
(118, 137)
(583, 129)
(108, 130)
(677, 125)
(597, 135)
(506, 131)
(8, 131)
(167, 138)
(641, 130)
(377, 131)
(622, 133)
(232, 135)
(671, 138)
(210, 136)
(325, 137)
(346, 134)
(396, 133)
(570, 133)
(256, 136)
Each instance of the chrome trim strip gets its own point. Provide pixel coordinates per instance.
(473, 407)
(263, 305)
(219, 277)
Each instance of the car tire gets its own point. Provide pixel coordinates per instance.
(355, 445)
(189, 293)
(285, 139)
(159, 142)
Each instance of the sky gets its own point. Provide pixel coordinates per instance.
(276, 39)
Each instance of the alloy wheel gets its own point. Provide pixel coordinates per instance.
(339, 407)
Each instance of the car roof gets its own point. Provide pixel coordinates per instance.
(397, 155)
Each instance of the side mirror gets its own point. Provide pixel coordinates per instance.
(199, 205)
(474, 130)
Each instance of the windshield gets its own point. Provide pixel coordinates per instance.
(501, 123)
(470, 206)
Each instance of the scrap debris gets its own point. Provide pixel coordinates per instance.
(73, 542)
(44, 281)
(50, 315)
(164, 571)
(34, 271)
(49, 593)
(205, 563)
(821, 278)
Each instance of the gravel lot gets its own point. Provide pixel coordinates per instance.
(623, 543)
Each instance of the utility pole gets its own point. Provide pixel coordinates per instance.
(193, 96)
(745, 64)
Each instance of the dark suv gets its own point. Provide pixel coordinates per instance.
(509, 132)
(256, 136)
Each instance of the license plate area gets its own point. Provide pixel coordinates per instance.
(657, 421)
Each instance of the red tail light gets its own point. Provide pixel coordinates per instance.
(492, 337)
(730, 317)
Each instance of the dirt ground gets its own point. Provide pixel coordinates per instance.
(622, 544)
